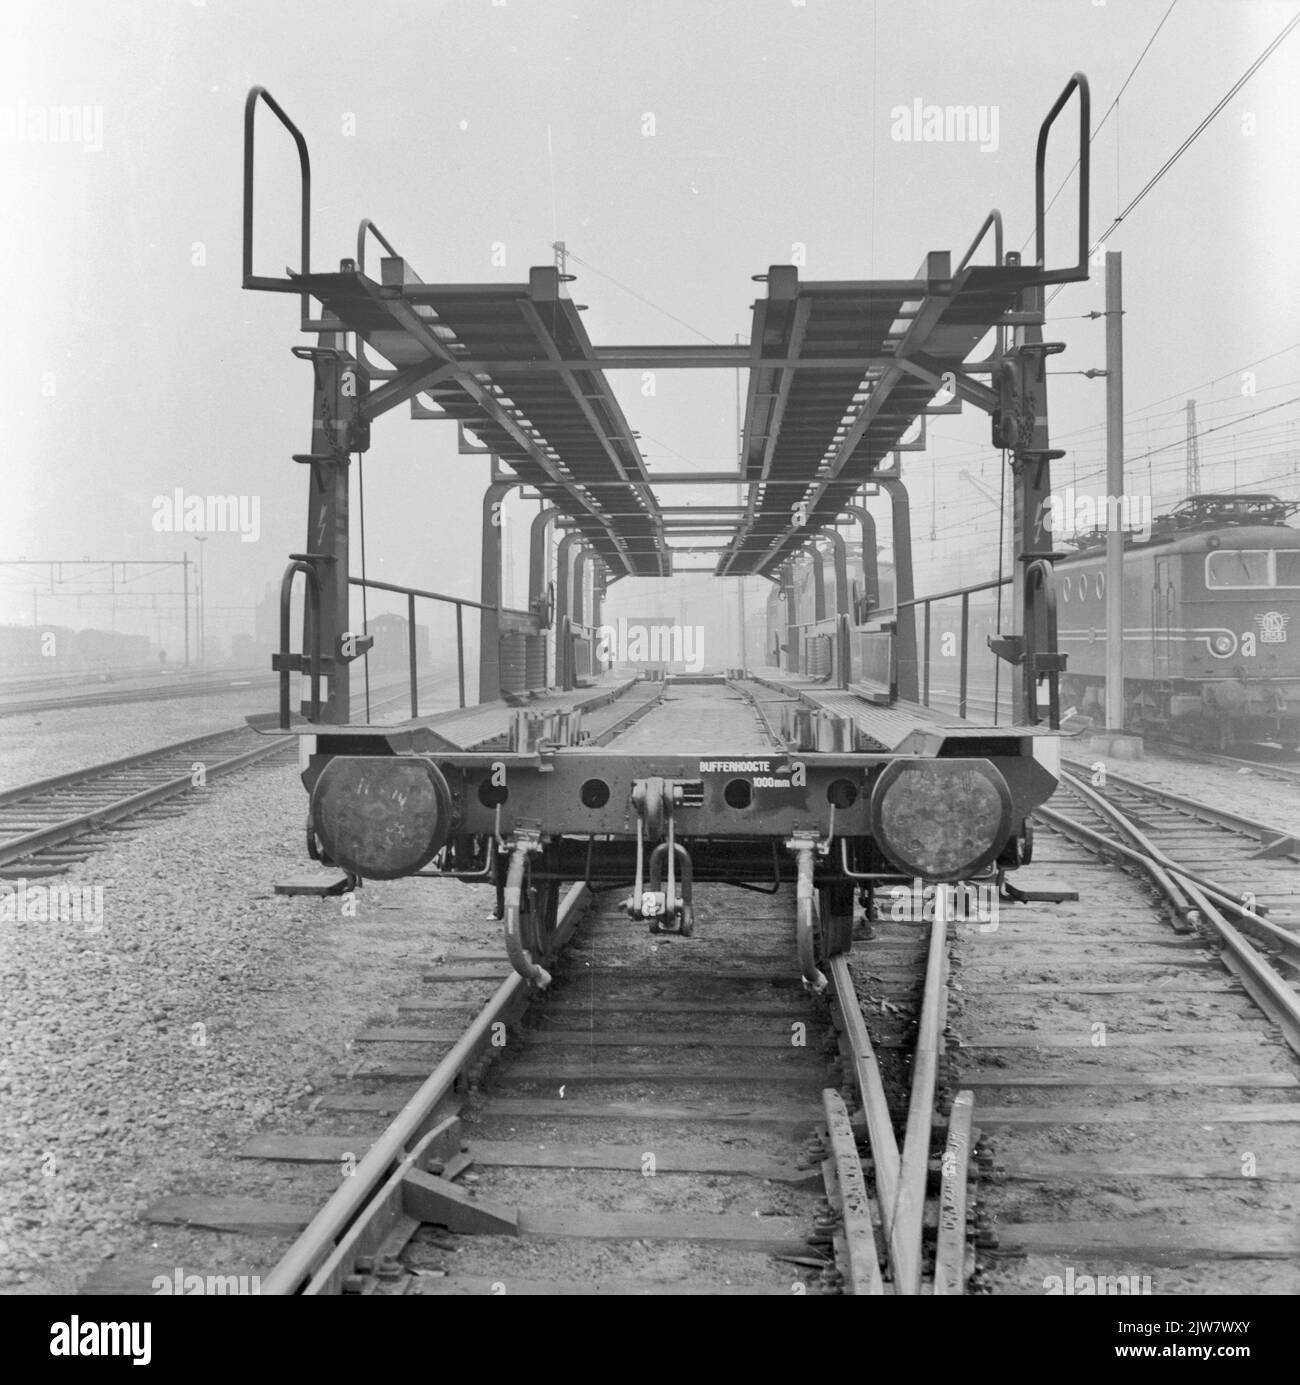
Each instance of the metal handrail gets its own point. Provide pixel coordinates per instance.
(460, 602)
(993, 219)
(251, 280)
(286, 654)
(954, 592)
(368, 225)
(1078, 82)
(439, 596)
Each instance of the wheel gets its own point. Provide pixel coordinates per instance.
(835, 904)
(545, 915)
(688, 921)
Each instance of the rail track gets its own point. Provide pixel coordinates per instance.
(181, 687)
(671, 1116)
(1272, 763)
(1133, 1056)
(49, 825)
(1094, 1096)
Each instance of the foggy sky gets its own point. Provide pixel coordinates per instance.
(134, 364)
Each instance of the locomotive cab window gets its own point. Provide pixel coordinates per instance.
(1240, 568)
(1287, 568)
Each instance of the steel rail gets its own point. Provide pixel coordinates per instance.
(1265, 833)
(68, 829)
(846, 1189)
(31, 843)
(217, 688)
(1150, 854)
(1266, 986)
(1230, 761)
(870, 1085)
(909, 1204)
(77, 776)
(950, 1250)
(316, 1261)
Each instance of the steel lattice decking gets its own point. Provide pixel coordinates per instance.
(470, 347)
(815, 433)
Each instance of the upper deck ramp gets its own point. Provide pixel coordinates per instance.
(841, 374)
(514, 364)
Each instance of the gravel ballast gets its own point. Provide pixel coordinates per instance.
(138, 1054)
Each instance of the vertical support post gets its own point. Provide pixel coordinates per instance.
(840, 565)
(925, 687)
(338, 429)
(819, 581)
(460, 650)
(539, 563)
(965, 632)
(537, 554)
(1115, 492)
(1031, 466)
(185, 574)
(489, 628)
(585, 555)
(563, 602)
(598, 590)
(791, 619)
(411, 654)
(905, 638)
(870, 563)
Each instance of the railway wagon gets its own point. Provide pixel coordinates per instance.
(1211, 614)
(828, 779)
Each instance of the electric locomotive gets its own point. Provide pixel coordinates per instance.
(1211, 615)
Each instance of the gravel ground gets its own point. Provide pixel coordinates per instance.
(137, 1057)
(37, 745)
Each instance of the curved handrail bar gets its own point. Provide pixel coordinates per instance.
(993, 219)
(368, 225)
(1078, 82)
(1044, 571)
(313, 599)
(376, 371)
(304, 166)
